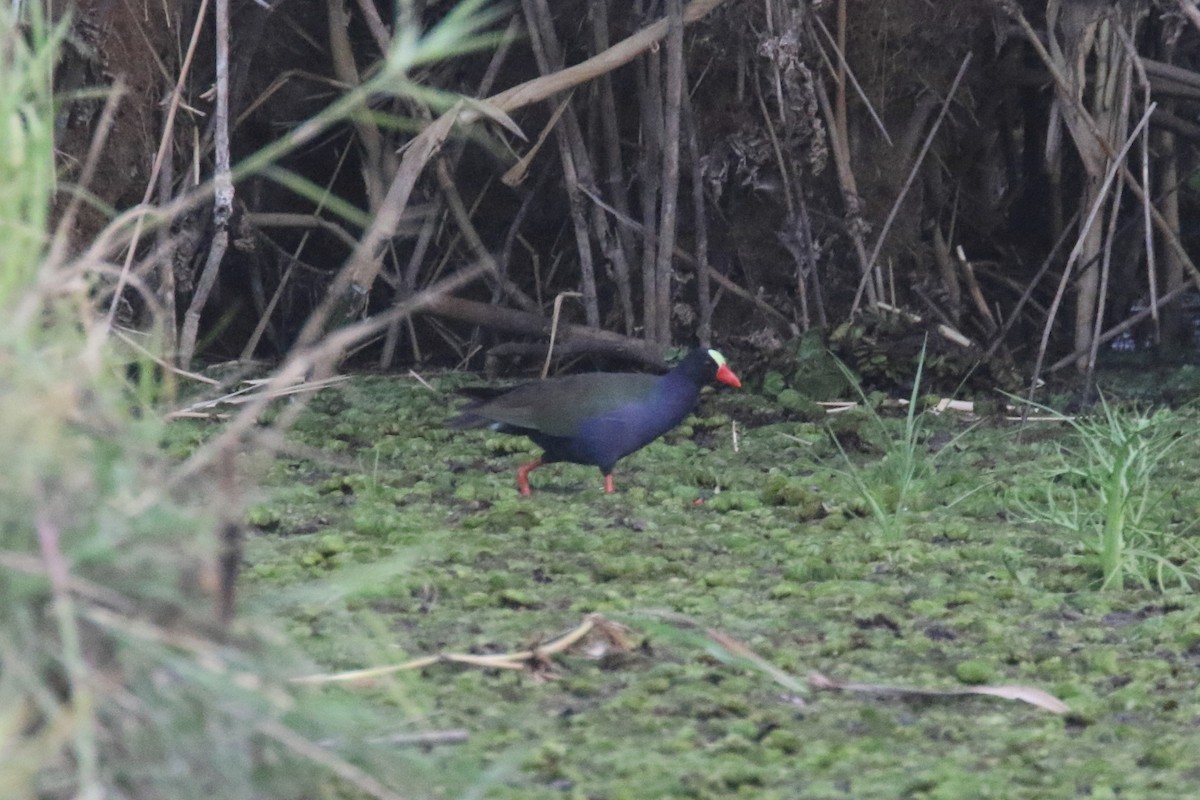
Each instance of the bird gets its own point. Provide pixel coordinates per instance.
(594, 418)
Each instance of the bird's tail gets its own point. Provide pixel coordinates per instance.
(478, 395)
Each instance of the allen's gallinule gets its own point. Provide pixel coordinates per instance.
(595, 418)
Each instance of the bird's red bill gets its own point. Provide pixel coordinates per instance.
(725, 375)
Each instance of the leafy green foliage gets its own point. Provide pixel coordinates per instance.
(1105, 491)
(27, 55)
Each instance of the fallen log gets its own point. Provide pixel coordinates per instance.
(577, 338)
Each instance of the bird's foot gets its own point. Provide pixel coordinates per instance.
(523, 476)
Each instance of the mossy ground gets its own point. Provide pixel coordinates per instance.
(771, 544)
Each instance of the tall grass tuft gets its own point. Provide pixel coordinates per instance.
(27, 56)
(117, 677)
(1105, 492)
(889, 487)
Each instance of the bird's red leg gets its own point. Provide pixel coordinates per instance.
(608, 485)
(523, 476)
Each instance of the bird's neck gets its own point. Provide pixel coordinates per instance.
(677, 393)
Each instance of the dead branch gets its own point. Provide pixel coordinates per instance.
(522, 323)
(614, 636)
(912, 175)
(669, 198)
(573, 154)
(222, 193)
(359, 273)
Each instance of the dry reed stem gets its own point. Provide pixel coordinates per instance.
(844, 68)
(1160, 223)
(319, 356)
(1026, 694)
(1073, 256)
(776, 149)
(816, 680)
(672, 101)
(81, 587)
(613, 633)
(265, 319)
(849, 187)
(364, 264)
(908, 182)
(163, 363)
(1111, 231)
(724, 282)
(975, 291)
(339, 766)
(1121, 327)
(558, 300)
(704, 297)
(223, 193)
(479, 248)
(60, 241)
(516, 174)
(137, 214)
(81, 697)
(1168, 154)
(618, 55)
(573, 154)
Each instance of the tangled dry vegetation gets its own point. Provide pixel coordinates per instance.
(733, 170)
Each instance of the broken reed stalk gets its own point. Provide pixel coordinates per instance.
(222, 193)
(558, 301)
(669, 183)
(1169, 233)
(975, 292)
(948, 274)
(269, 309)
(548, 53)
(618, 243)
(462, 217)
(908, 182)
(615, 636)
(704, 300)
(360, 270)
(649, 90)
(160, 156)
(1073, 256)
(1107, 249)
(852, 203)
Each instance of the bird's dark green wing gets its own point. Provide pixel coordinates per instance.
(560, 405)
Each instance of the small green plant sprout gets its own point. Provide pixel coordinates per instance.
(891, 486)
(1105, 492)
